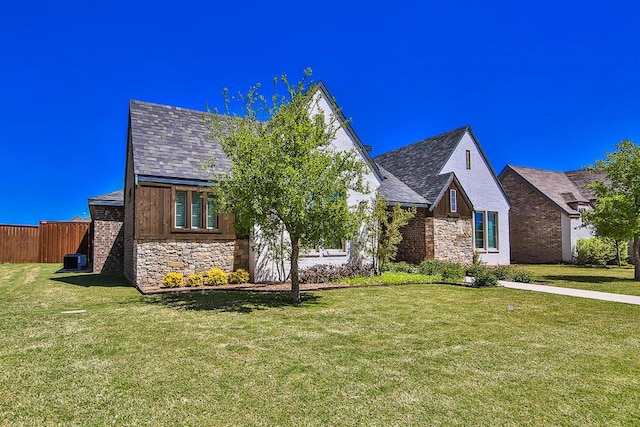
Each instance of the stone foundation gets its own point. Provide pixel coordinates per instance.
(154, 259)
(452, 240)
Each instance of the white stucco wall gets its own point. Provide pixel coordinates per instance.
(265, 270)
(567, 244)
(482, 187)
(579, 231)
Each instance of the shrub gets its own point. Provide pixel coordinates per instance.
(195, 280)
(485, 278)
(502, 272)
(239, 276)
(401, 267)
(430, 267)
(520, 275)
(475, 270)
(323, 273)
(216, 276)
(172, 280)
(452, 272)
(598, 251)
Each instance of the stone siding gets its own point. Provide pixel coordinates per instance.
(535, 224)
(154, 259)
(108, 239)
(452, 240)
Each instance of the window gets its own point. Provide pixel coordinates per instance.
(453, 201)
(195, 210)
(468, 157)
(485, 227)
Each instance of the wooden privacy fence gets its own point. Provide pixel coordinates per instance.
(48, 243)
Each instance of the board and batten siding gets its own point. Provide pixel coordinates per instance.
(482, 188)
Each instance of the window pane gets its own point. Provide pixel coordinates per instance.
(196, 210)
(212, 213)
(181, 204)
(454, 201)
(479, 230)
(492, 230)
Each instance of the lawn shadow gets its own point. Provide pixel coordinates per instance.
(230, 301)
(89, 280)
(587, 279)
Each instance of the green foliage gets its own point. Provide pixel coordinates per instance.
(172, 280)
(217, 276)
(452, 272)
(474, 270)
(430, 267)
(391, 278)
(402, 267)
(383, 229)
(195, 280)
(239, 276)
(617, 211)
(598, 251)
(285, 173)
(485, 278)
(518, 274)
(502, 272)
(476, 258)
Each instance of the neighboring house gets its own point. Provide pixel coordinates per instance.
(546, 212)
(461, 206)
(170, 220)
(106, 237)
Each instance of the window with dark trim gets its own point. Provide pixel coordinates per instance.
(194, 210)
(468, 158)
(453, 201)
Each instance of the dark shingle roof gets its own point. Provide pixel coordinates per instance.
(396, 191)
(418, 165)
(115, 198)
(171, 142)
(562, 188)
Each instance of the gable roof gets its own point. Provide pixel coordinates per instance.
(563, 189)
(172, 142)
(418, 165)
(115, 198)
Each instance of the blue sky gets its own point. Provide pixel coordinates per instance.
(543, 84)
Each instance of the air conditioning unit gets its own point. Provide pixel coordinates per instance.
(75, 261)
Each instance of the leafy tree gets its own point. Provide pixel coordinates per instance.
(285, 172)
(384, 230)
(617, 212)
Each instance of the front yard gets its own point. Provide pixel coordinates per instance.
(618, 280)
(400, 355)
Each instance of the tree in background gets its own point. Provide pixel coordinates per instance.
(285, 172)
(383, 230)
(617, 211)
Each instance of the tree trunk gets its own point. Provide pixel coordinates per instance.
(636, 257)
(295, 283)
(618, 252)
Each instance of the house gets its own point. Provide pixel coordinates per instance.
(461, 206)
(167, 212)
(546, 212)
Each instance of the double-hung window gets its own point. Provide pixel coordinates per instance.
(485, 226)
(194, 210)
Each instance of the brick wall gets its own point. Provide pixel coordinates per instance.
(413, 247)
(108, 239)
(129, 209)
(535, 224)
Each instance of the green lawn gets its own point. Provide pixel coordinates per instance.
(400, 355)
(610, 279)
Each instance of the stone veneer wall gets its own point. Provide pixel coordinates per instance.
(452, 240)
(108, 239)
(154, 259)
(535, 224)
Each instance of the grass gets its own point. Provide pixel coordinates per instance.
(409, 355)
(610, 279)
(392, 278)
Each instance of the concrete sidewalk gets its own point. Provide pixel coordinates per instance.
(603, 296)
